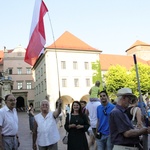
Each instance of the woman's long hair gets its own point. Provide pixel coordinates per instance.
(80, 109)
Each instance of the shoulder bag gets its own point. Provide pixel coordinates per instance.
(65, 138)
(134, 121)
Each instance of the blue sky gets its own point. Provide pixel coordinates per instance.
(108, 25)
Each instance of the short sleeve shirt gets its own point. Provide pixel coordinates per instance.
(92, 109)
(47, 131)
(103, 113)
(120, 123)
(94, 92)
(8, 121)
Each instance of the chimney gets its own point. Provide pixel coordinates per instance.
(5, 50)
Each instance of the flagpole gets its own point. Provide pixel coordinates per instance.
(145, 137)
(55, 56)
(139, 87)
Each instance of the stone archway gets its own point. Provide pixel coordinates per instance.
(66, 99)
(85, 98)
(20, 106)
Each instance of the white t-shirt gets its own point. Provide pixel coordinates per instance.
(47, 131)
(8, 121)
(92, 109)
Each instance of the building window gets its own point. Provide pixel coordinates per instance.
(45, 85)
(63, 65)
(39, 74)
(42, 86)
(10, 71)
(64, 82)
(76, 82)
(29, 85)
(41, 71)
(19, 70)
(37, 90)
(28, 70)
(19, 85)
(87, 82)
(86, 65)
(75, 65)
(44, 68)
(36, 76)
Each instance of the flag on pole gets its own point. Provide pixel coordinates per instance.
(37, 33)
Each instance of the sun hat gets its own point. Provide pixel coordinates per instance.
(125, 91)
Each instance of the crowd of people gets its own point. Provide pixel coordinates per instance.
(115, 125)
(108, 125)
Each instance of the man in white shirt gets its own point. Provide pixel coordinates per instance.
(45, 130)
(91, 111)
(9, 125)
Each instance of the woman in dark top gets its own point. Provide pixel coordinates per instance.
(31, 116)
(76, 125)
(134, 110)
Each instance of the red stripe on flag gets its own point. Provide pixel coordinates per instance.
(37, 39)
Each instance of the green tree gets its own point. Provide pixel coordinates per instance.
(118, 77)
(144, 79)
(97, 73)
(115, 78)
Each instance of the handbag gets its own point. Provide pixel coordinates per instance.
(65, 138)
(133, 121)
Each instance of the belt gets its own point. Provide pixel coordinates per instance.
(130, 145)
(121, 147)
(8, 135)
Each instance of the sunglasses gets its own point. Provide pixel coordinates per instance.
(102, 95)
(131, 99)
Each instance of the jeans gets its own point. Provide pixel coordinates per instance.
(50, 147)
(104, 143)
(31, 122)
(10, 143)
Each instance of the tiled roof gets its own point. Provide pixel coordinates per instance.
(1, 56)
(70, 42)
(108, 60)
(138, 43)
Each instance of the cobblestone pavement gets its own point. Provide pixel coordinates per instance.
(25, 136)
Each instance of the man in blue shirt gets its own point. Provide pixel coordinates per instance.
(103, 112)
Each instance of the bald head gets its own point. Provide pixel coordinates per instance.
(44, 106)
(44, 101)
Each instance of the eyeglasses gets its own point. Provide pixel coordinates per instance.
(44, 105)
(12, 100)
(102, 95)
(104, 111)
(131, 99)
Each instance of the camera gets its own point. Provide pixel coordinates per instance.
(98, 135)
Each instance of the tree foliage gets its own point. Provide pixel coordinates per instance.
(97, 73)
(118, 77)
(144, 78)
(115, 78)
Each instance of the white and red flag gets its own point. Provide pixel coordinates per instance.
(37, 33)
